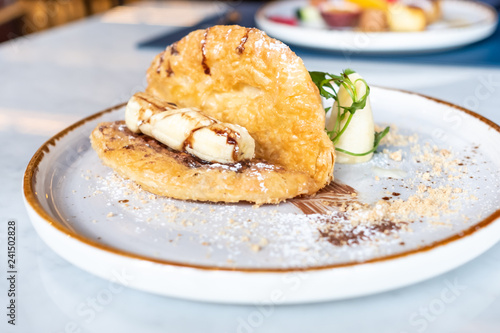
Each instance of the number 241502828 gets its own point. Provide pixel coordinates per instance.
(11, 244)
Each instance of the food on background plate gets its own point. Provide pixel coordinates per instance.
(405, 18)
(366, 15)
(309, 16)
(343, 14)
(373, 20)
(399, 15)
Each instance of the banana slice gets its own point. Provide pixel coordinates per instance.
(189, 130)
(360, 134)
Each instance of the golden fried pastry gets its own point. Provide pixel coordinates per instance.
(241, 76)
(174, 174)
(238, 77)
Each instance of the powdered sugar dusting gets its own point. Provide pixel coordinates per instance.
(446, 190)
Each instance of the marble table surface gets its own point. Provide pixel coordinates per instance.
(51, 79)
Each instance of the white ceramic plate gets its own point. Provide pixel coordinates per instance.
(208, 252)
(463, 22)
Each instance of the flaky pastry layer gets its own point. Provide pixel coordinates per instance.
(160, 170)
(240, 75)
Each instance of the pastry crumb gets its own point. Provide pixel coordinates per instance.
(255, 247)
(396, 156)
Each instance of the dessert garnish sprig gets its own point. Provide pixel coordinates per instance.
(324, 81)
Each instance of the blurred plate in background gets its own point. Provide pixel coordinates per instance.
(463, 23)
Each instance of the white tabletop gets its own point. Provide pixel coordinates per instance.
(51, 79)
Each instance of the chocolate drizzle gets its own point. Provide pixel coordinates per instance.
(153, 103)
(231, 139)
(159, 151)
(335, 225)
(230, 135)
(159, 106)
(188, 143)
(147, 100)
(166, 106)
(332, 195)
(206, 69)
(241, 48)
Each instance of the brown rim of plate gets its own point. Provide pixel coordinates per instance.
(32, 200)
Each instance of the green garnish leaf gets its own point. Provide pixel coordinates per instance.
(325, 81)
(380, 135)
(322, 81)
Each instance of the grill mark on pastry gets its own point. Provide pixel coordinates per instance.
(160, 62)
(173, 49)
(241, 48)
(206, 69)
(141, 142)
(169, 70)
